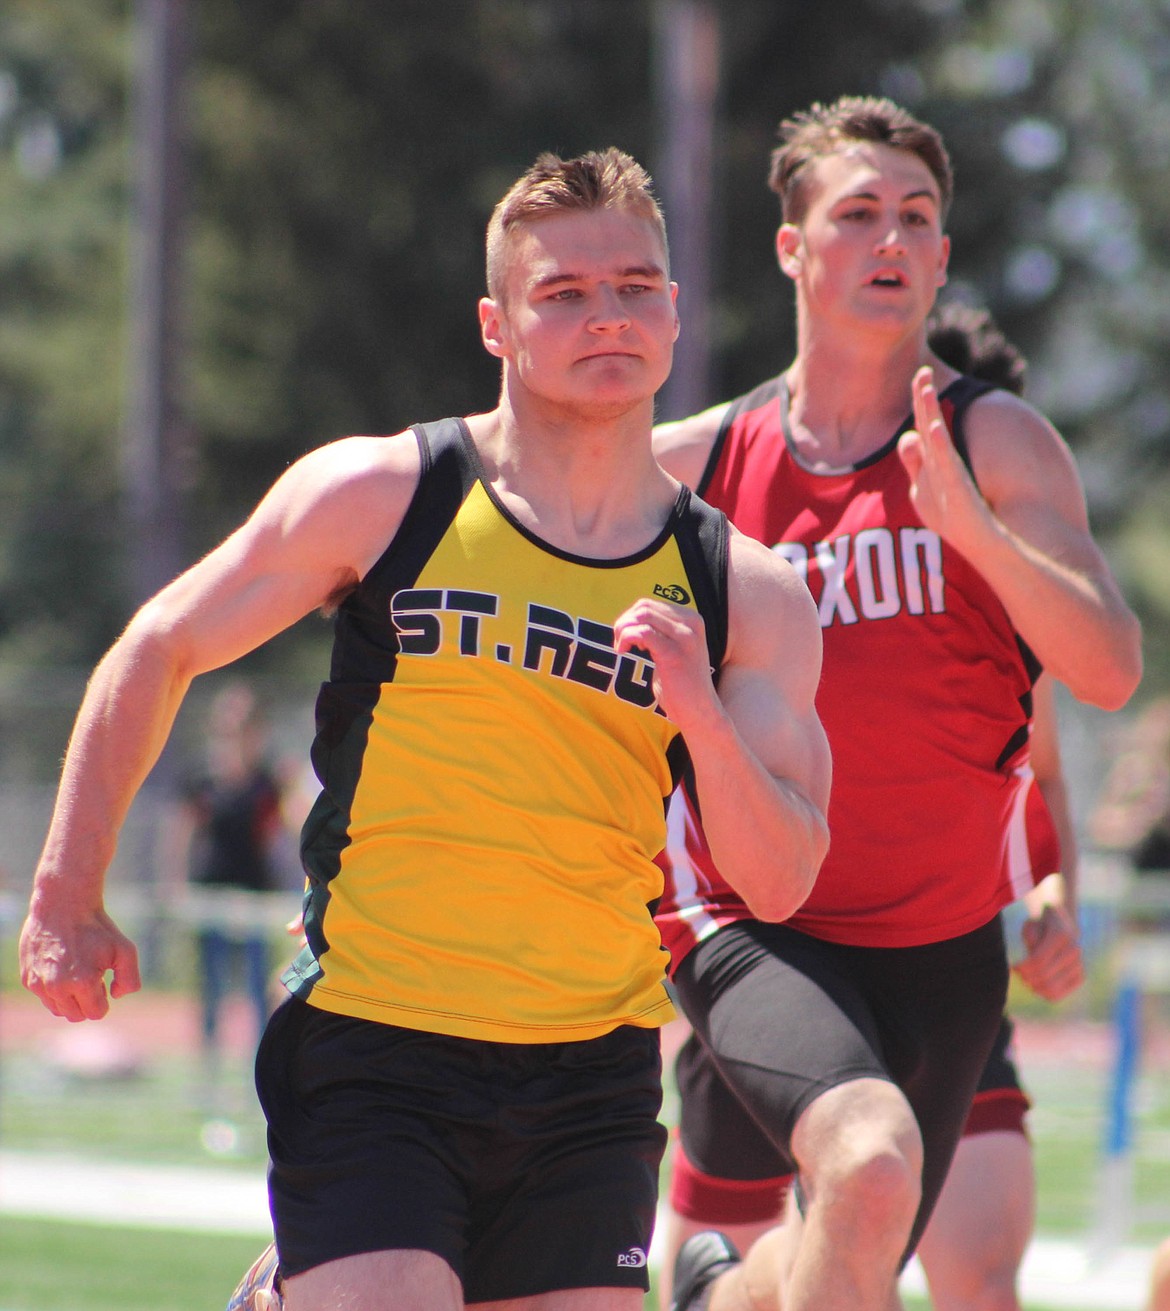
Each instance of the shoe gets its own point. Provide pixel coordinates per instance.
(259, 1290)
(700, 1261)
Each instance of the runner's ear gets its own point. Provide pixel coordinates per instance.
(492, 327)
(790, 249)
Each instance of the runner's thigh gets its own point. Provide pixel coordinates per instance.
(783, 1019)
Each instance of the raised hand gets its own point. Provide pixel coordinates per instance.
(941, 489)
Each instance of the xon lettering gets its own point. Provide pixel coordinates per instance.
(873, 574)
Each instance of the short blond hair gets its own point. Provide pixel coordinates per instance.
(826, 129)
(599, 179)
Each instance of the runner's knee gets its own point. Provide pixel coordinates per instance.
(860, 1155)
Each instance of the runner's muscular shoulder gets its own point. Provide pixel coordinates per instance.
(339, 506)
(1022, 465)
(320, 527)
(1037, 551)
(683, 446)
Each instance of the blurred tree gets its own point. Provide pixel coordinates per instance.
(62, 199)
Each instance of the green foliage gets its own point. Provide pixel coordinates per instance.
(1061, 110)
(62, 206)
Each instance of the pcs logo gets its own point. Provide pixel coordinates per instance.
(634, 1259)
(672, 592)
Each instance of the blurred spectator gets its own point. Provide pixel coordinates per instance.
(1133, 813)
(232, 826)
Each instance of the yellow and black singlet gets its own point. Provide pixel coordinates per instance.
(494, 775)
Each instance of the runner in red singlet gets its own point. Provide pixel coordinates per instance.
(973, 1247)
(947, 572)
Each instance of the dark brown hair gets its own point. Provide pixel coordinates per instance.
(968, 339)
(825, 129)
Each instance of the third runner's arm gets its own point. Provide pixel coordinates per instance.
(1053, 966)
(760, 756)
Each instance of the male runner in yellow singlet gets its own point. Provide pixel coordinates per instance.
(462, 1090)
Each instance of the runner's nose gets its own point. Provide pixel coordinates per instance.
(609, 311)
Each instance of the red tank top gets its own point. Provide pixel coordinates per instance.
(935, 820)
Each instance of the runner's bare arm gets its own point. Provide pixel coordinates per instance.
(1053, 966)
(320, 527)
(1025, 528)
(761, 759)
(683, 446)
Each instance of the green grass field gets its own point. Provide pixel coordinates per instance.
(160, 1117)
(64, 1267)
(48, 1266)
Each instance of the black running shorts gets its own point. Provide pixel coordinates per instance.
(780, 1017)
(527, 1168)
